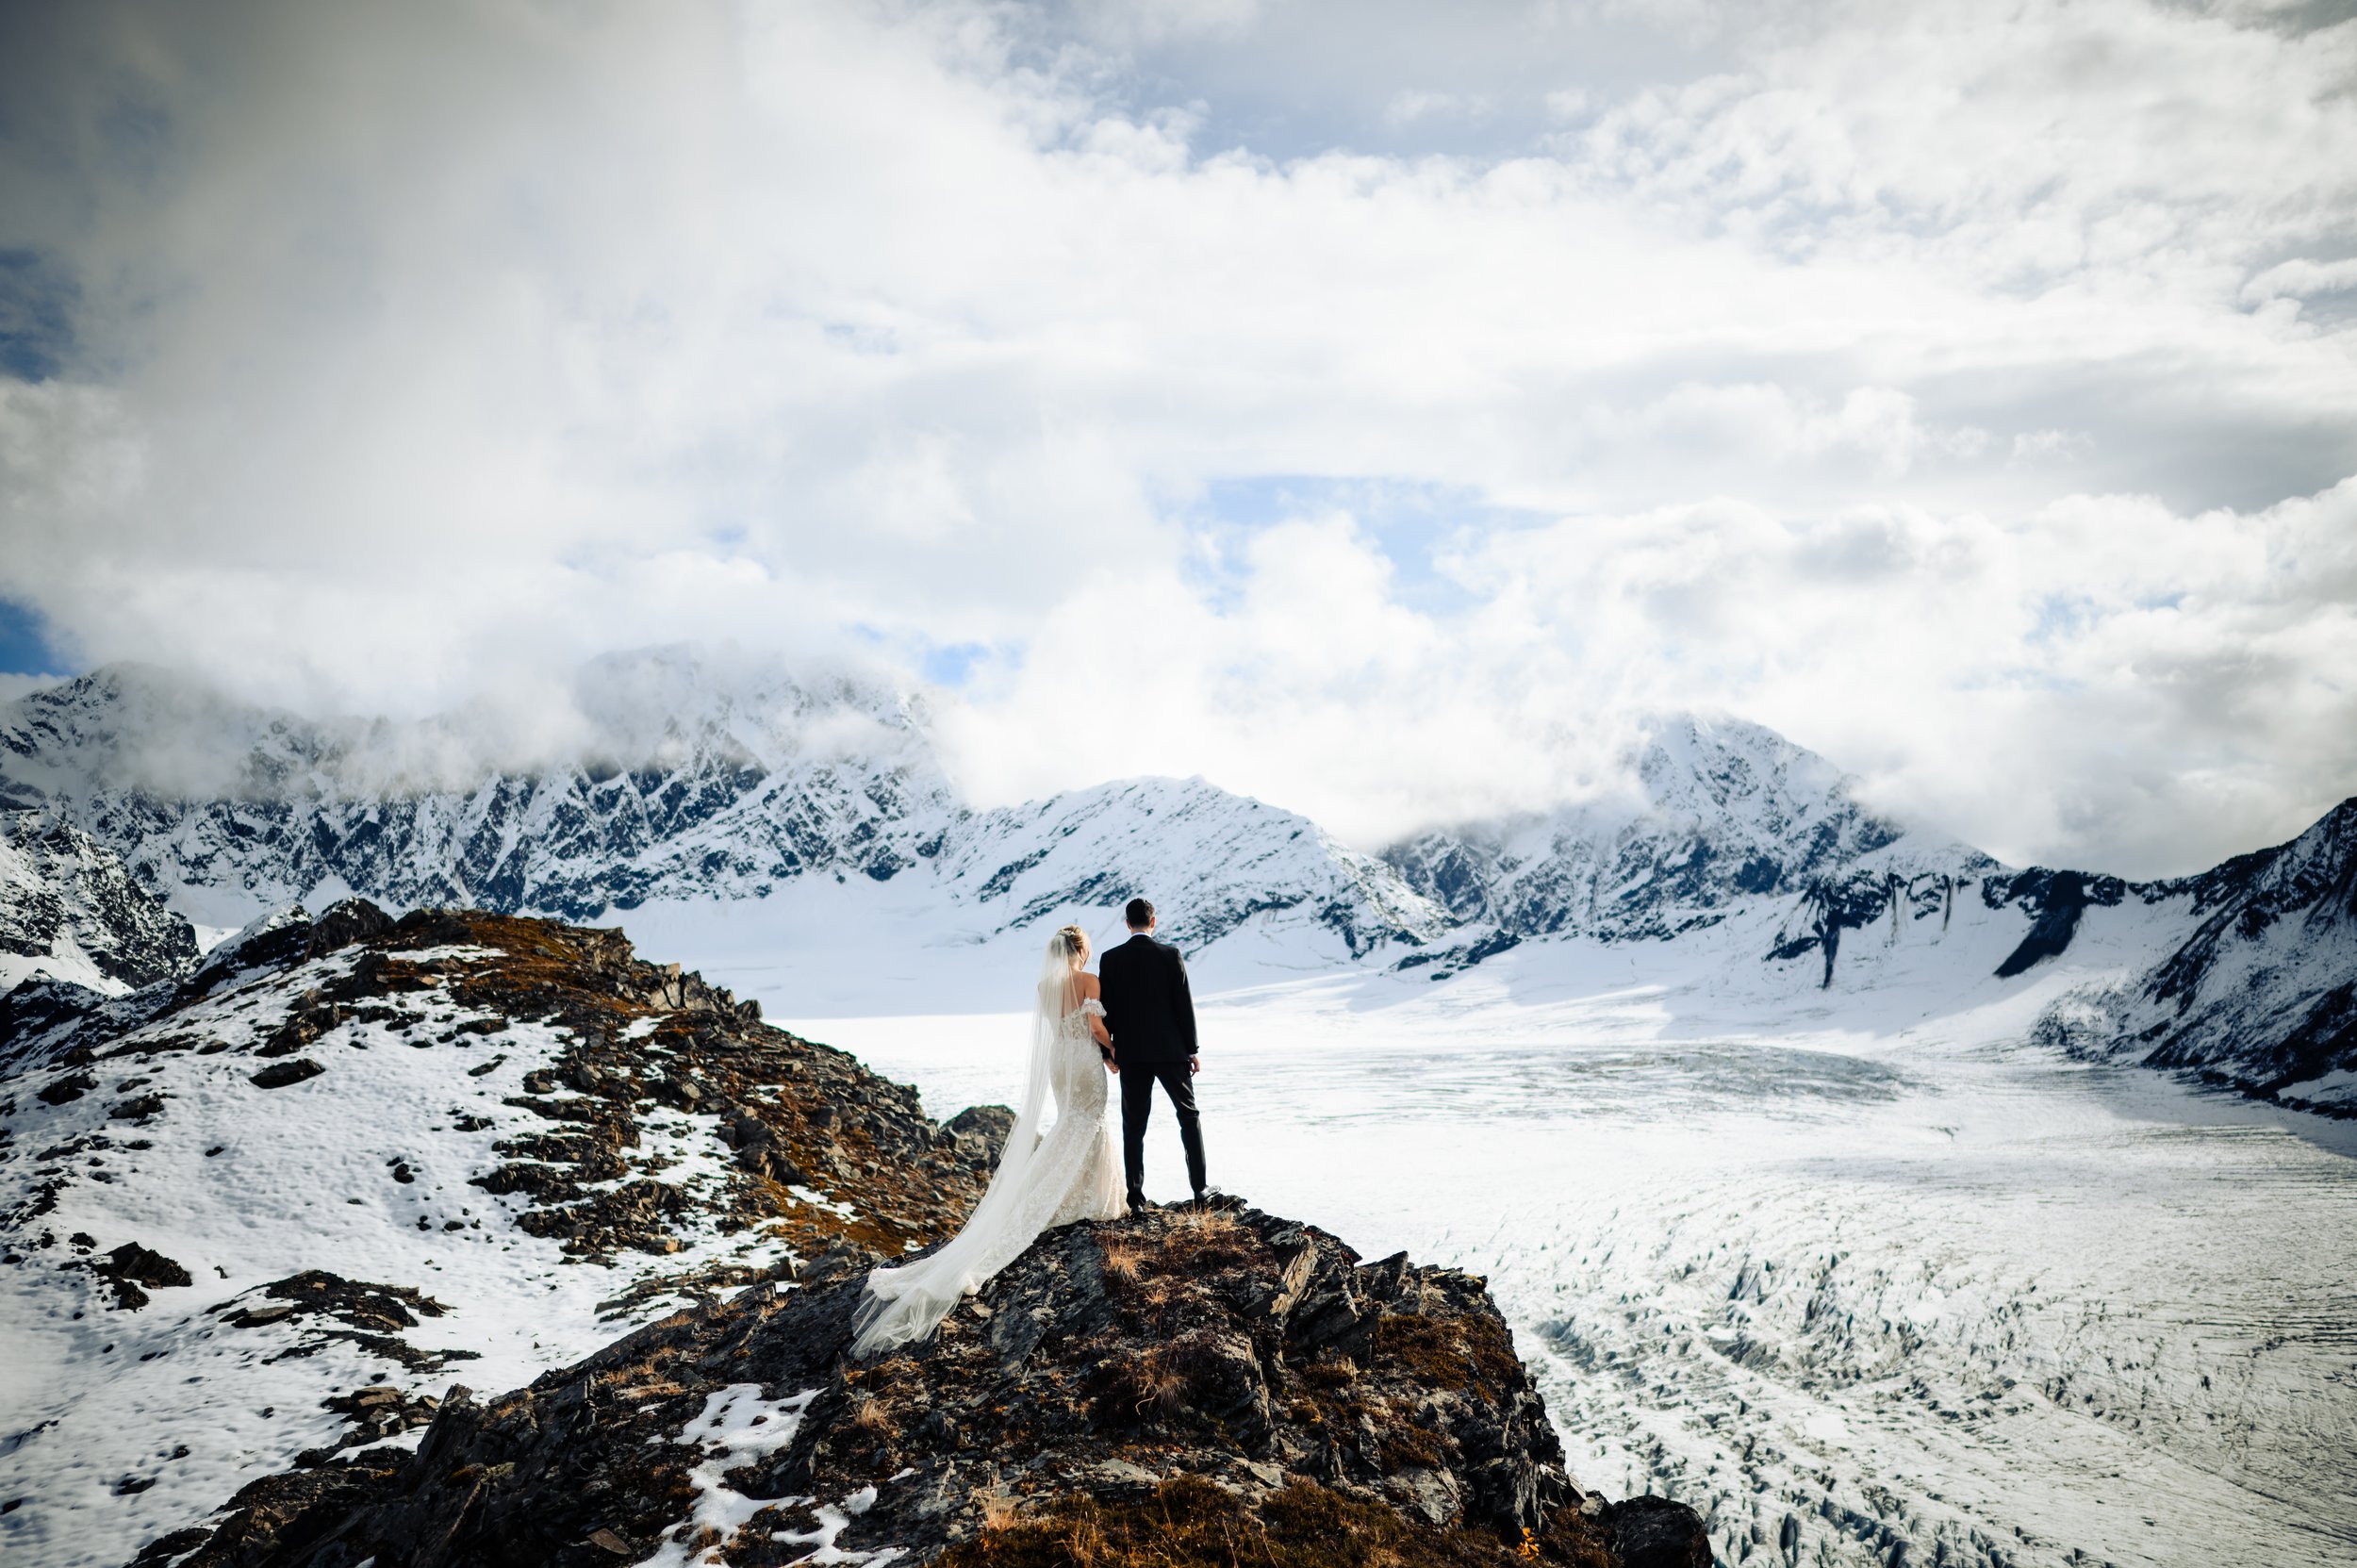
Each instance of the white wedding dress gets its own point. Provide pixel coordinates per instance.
(1044, 1180)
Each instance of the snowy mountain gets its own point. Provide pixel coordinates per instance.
(71, 910)
(2263, 992)
(800, 826)
(1725, 813)
(688, 783)
(724, 788)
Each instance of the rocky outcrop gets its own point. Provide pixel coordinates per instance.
(1155, 1390)
(69, 910)
(350, 1124)
(1174, 1381)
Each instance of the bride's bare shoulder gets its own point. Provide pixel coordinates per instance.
(1091, 985)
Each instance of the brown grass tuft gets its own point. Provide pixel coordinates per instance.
(1210, 1225)
(1162, 1385)
(872, 1416)
(998, 1509)
(1122, 1259)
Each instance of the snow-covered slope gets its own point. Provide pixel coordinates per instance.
(266, 1215)
(71, 910)
(1213, 859)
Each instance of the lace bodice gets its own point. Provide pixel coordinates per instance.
(1076, 1023)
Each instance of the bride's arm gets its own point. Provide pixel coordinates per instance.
(1094, 992)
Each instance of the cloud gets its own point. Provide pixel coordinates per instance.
(2301, 278)
(383, 358)
(1410, 105)
(2108, 670)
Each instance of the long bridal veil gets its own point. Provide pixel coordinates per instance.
(906, 1303)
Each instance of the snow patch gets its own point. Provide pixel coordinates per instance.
(739, 1426)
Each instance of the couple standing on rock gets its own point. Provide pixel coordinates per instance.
(1136, 1020)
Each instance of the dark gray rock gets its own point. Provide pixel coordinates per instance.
(279, 1075)
(980, 1131)
(1655, 1532)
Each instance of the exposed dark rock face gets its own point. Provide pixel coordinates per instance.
(981, 1132)
(1155, 1386)
(62, 890)
(329, 1307)
(1655, 1532)
(278, 1075)
(1828, 907)
(2058, 897)
(130, 1266)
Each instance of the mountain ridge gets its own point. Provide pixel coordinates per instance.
(706, 785)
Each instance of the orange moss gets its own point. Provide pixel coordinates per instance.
(1455, 1352)
(1191, 1522)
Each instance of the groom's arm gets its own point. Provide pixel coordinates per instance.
(1182, 1000)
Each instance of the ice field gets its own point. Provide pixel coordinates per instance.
(1919, 1294)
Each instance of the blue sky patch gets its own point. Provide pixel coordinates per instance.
(23, 648)
(35, 317)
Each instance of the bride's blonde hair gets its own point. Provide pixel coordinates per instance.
(1075, 945)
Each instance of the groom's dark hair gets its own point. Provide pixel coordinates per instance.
(1140, 914)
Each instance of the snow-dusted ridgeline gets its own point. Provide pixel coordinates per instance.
(1723, 814)
(771, 801)
(728, 787)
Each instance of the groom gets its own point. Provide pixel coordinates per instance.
(1150, 1014)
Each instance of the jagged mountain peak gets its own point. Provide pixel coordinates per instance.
(658, 704)
(1214, 858)
(659, 772)
(1710, 767)
(1718, 810)
(136, 726)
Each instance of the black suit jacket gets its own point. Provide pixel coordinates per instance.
(1149, 1010)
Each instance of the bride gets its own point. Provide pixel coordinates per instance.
(1067, 1173)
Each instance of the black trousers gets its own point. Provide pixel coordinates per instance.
(1137, 1105)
